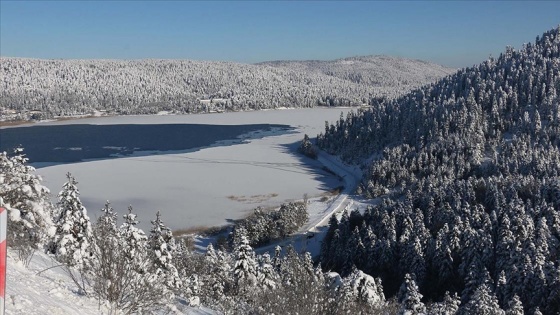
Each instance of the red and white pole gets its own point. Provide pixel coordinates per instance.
(3, 228)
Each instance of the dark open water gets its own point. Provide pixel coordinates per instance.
(74, 143)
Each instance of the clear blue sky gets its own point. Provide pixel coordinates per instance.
(455, 34)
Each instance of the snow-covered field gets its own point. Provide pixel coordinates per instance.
(206, 187)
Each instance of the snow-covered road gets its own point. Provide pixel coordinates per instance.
(311, 234)
(350, 175)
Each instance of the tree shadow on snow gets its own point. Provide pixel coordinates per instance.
(329, 181)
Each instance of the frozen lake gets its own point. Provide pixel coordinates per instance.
(254, 162)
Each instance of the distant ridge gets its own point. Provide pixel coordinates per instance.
(375, 70)
(51, 88)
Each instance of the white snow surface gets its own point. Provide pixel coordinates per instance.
(208, 187)
(43, 288)
(35, 290)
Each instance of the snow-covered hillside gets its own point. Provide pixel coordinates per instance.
(40, 289)
(378, 71)
(47, 88)
(43, 287)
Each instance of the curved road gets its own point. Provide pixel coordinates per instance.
(301, 240)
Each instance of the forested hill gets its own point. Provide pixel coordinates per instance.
(468, 172)
(377, 71)
(68, 87)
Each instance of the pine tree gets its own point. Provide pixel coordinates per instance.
(245, 267)
(410, 297)
(107, 256)
(161, 246)
(266, 274)
(192, 286)
(306, 147)
(483, 302)
(326, 258)
(515, 307)
(135, 243)
(120, 269)
(217, 278)
(73, 228)
(449, 305)
(364, 289)
(27, 202)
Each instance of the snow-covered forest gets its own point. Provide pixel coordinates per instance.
(462, 176)
(39, 89)
(466, 171)
(129, 271)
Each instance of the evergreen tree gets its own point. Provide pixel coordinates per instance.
(217, 277)
(119, 271)
(364, 289)
(266, 274)
(515, 307)
(134, 241)
(483, 302)
(27, 203)
(73, 228)
(161, 246)
(449, 305)
(245, 267)
(306, 147)
(410, 298)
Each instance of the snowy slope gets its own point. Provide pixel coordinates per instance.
(39, 290)
(42, 288)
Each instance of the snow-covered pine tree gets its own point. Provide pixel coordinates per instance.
(119, 272)
(71, 243)
(306, 147)
(483, 302)
(161, 245)
(410, 298)
(266, 275)
(515, 307)
(134, 240)
(217, 276)
(108, 258)
(192, 289)
(449, 305)
(107, 254)
(245, 267)
(27, 202)
(364, 290)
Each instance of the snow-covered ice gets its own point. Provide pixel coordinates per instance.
(208, 187)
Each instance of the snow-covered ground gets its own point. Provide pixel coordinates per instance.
(42, 288)
(208, 187)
